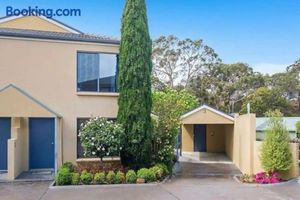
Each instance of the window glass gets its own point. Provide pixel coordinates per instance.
(96, 72)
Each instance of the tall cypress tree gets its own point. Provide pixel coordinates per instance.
(134, 83)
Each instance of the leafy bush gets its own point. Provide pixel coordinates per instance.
(146, 174)
(63, 177)
(298, 129)
(157, 171)
(99, 178)
(119, 178)
(75, 179)
(275, 152)
(68, 165)
(164, 168)
(131, 176)
(86, 177)
(110, 177)
(169, 105)
(100, 137)
(267, 178)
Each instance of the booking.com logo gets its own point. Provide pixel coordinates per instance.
(36, 11)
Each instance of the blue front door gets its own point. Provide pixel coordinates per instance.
(5, 127)
(200, 137)
(41, 143)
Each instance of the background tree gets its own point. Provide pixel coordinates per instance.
(275, 152)
(134, 83)
(263, 100)
(177, 61)
(169, 105)
(225, 84)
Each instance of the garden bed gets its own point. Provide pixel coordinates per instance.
(87, 173)
(238, 178)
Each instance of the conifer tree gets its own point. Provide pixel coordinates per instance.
(275, 152)
(134, 84)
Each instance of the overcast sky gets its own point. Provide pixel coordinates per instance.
(265, 34)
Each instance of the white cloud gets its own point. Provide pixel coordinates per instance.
(269, 68)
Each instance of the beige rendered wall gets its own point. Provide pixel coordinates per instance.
(33, 23)
(229, 141)
(47, 71)
(243, 144)
(187, 137)
(292, 173)
(18, 148)
(215, 138)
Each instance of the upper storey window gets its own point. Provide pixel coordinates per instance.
(96, 72)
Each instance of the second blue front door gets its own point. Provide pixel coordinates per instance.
(5, 126)
(41, 143)
(200, 137)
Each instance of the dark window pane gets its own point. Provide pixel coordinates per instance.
(108, 69)
(87, 72)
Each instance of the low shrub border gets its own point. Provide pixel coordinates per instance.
(69, 175)
(237, 178)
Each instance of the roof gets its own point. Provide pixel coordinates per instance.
(31, 98)
(208, 108)
(49, 35)
(51, 20)
(289, 122)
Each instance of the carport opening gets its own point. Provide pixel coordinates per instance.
(211, 143)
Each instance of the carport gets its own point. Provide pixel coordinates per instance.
(207, 132)
(30, 134)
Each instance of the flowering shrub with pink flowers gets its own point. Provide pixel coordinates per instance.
(267, 178)
(100, 137)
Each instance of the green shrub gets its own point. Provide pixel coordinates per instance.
(99, 178)
(110, 177)
(100, 137)
(146, 174)
(75, 178)
(131, 176)
(68, 165)
(86, 177)
(119, 178)
(275, 152)
(164, 168)
(63, 177)
(298, 129)
(157, 171)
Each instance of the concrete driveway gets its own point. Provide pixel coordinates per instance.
(178, 188)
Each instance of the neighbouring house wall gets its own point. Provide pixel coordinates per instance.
(292, 173)
(243, 144)
(32, 23)
(18, 148)
(47, 70)
(187, 131)
(206, 116)
(229, 141)
(215, 138)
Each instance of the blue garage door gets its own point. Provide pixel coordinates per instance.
(4, 136)
(41, 143)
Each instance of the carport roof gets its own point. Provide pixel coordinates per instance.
(208, 108)
(31, 104)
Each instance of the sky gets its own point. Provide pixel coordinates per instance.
(265, 34)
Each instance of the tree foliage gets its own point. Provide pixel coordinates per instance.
(275, 152)
(169, 105)
(176, 62)
(134, 84)
(263, 100)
